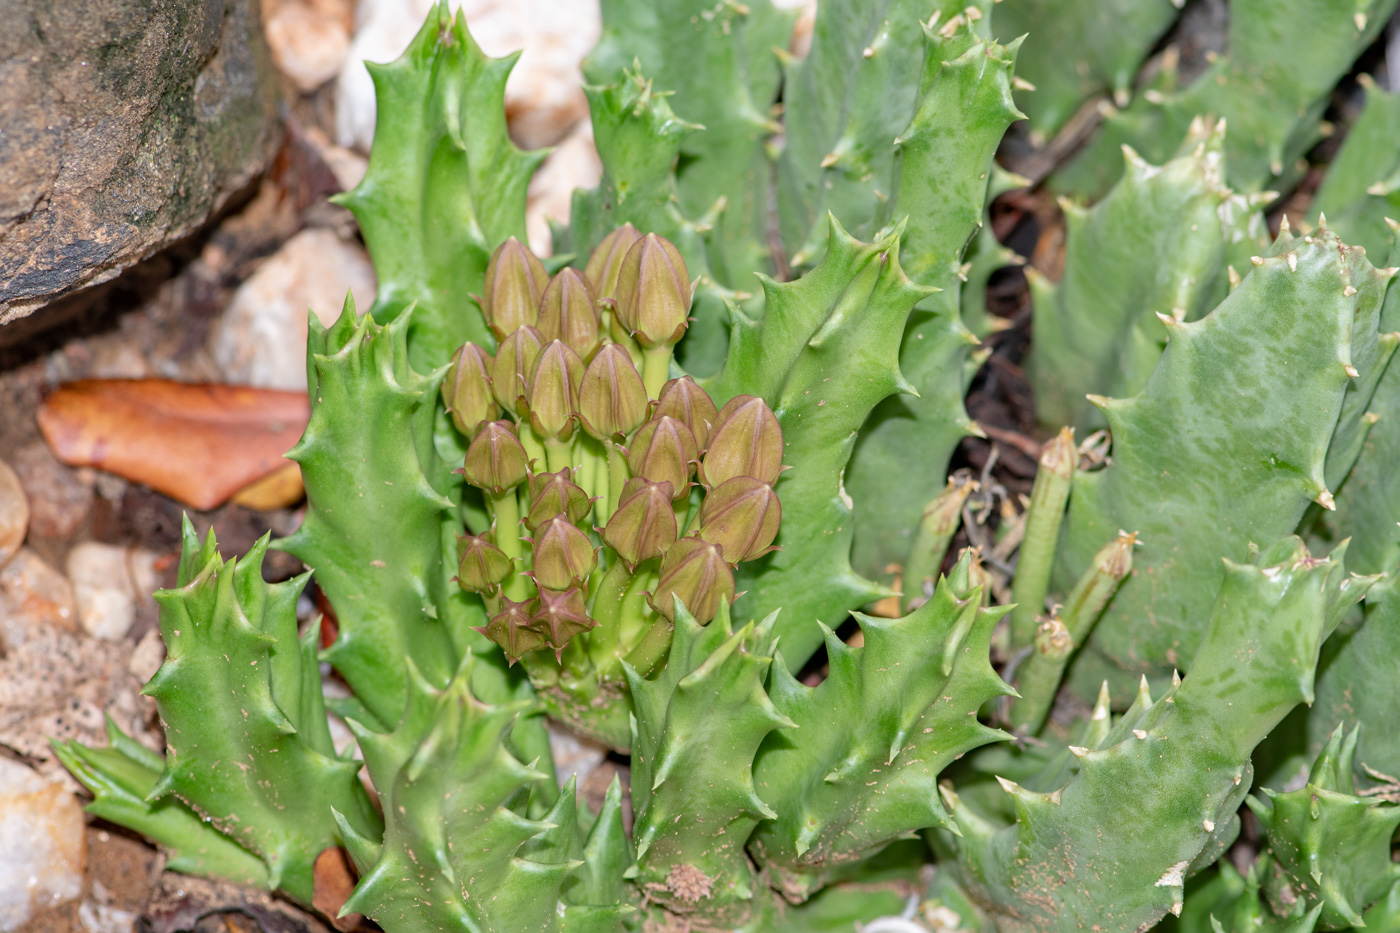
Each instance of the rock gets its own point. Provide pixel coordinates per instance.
(573, 755)
(33, 596)
(544, 96)
(127, 125)
(261, 340)
(575, 164)
(148, 656)
(308, 45)
(14, 513)
(58, 500)
(43, 847)
(107, 580)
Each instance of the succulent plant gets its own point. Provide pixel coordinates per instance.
(683, 489)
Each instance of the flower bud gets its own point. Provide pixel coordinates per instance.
(612, 401)
(552, 402)
(510, 628)
(515, 281)
(606, 260)
(741, 516)
(495, 460)
(663, 451)
(653, 292)
(567, 313)
(481, 566)
(683, 399)
(746, 441)
(515, 361)
(560, 616)
(563, 555)
(554, 494)
(644, 525)
(694, 570)
(466, 389)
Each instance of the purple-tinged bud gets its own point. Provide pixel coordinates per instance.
(612, 401)
(495, 460)
(694, 570)
(606, 260)
(644, 525)
(746, 441)
(515, 361)
(567, 313)
(741, 516)
(510, 628)
(560, 616)
(466, 389)
(515, 281)
(481, 566)
(563, 555)
(554, 494)
(552, 401)
(663, 451)
(684, 399)
(653, 292)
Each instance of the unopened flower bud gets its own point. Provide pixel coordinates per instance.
(567, 313)
(554, 494)
(563, 555)
(466, 389)
(515, 281)
(560, 616)
(695, 571)
(515, 361)
(663, 451)
(606, 260)
(741, 517)
(653, 292)
(510, 628)
(746, 441)
(684, 399)
(644, 525)
(612, 401)
(495, 460)
(481, 566)
(552, 401)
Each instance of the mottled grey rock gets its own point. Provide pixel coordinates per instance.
(124, 124)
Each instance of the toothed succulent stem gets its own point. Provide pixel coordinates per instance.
(1040, 544)
(935, 532)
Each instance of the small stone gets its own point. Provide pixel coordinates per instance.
(105, 579)
(43, 847)
(147, 657)
(58, 500)
(14, 513)
(573, 755)
(308, 45)
(262, 338)
(33, 595)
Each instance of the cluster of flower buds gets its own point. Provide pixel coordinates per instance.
(581, 442)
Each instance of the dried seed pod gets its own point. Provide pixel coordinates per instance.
(513, 366)
(612, 401)
(741, 517)
(515, 282)
(606, 260)
(466, 389)
(644, 525)
(552, 399)
(510, 628)
(568, 313)
(559, 616)
(663, 451)
(695, 571)
(684, 399)
(746, 441)
(554, 494)
(481, 566)
(496, 461)
(653, 292)
(563, 555)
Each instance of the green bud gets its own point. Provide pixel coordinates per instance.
(481, 566)
(663, 451)
(495, 460)
(606, 260)
(694, 571)
(683, 399)
(515, 281)
(567, 313)
(554, 494)
(741, 516)
(466, 389)
(515, 361)
(563, 555)
(560, 616)
(644, 525)
(612, 401)
(746, 441)
(552, 401)
(510, 628)
(653, 292)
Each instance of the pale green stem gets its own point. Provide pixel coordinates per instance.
(1043, 517)
(935, 532)
(609, 597)
(505, 509)
(656, 369)
(617, 477)
(558, 454)
(534, 449)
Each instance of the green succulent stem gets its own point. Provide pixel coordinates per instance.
(651, 649)
(1043, 517)
(935, 532)
(609, 603)
(656, 368)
